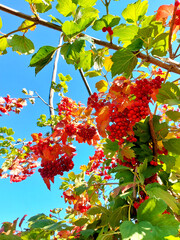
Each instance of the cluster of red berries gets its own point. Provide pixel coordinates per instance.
(108, 29)
(143, 197)
(70, 129)
(151, 179)
(65, 106)
(93, 101)
(122, 122)
(127, 162)
(57, 167)
(86, 131)
(8, 104)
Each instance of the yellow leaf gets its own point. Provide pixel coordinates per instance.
(108, 63)
(83, 168)
(27, 24)
(128, 152)
(102, 86)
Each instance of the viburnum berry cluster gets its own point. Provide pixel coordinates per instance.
(108, 29)
(57, 167)
(122, 122)
(8, 104)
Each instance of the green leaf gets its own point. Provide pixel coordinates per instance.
(135, 11)
(169, 93)
(161, 129)
(165, 196)
(21, 44)
(37, 217)
(56, 20)
(42, 8)
(110, 148)
(81, 221)
(40, 59)
(139, 231)
(173, 115)
(86, 61)
(136, 45)
(164, 225)
(124, 61)
(87, 233)
(169, 162)
(97, 210)
(172, 145)
(66, 7)
(79, 190)
(42, 223)
(125, 33)
(105, 21)
(86, 4)
(92, 74)
(117, 215)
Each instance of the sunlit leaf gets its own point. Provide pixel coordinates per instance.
(21, 44)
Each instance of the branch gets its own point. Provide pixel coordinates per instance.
(51, 92)
(19, 29)
(42, 99)
(85, 82)
(168, 66)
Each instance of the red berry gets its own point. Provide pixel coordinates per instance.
(104, 29)
(109, 29)
(110, 32)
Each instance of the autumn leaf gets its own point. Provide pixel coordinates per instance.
(102, 86)
(108, 63)
(47, 182)
(69, 150)
(35, 137)
(128, 152)
(164, 12)
(102, 120)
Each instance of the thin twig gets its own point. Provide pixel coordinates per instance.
(42, 99)
(51, 92)
(167, 66)
(85, 82)
(18, 30)
(176, 51)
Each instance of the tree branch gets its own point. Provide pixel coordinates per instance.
(85, 82)
(168, 66)
(51, 92)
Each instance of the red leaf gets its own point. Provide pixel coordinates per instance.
(103, 120)
(164, 12)
(47, 182)
(22, 220)
(69, 150)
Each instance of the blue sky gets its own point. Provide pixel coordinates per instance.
(32, 196)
